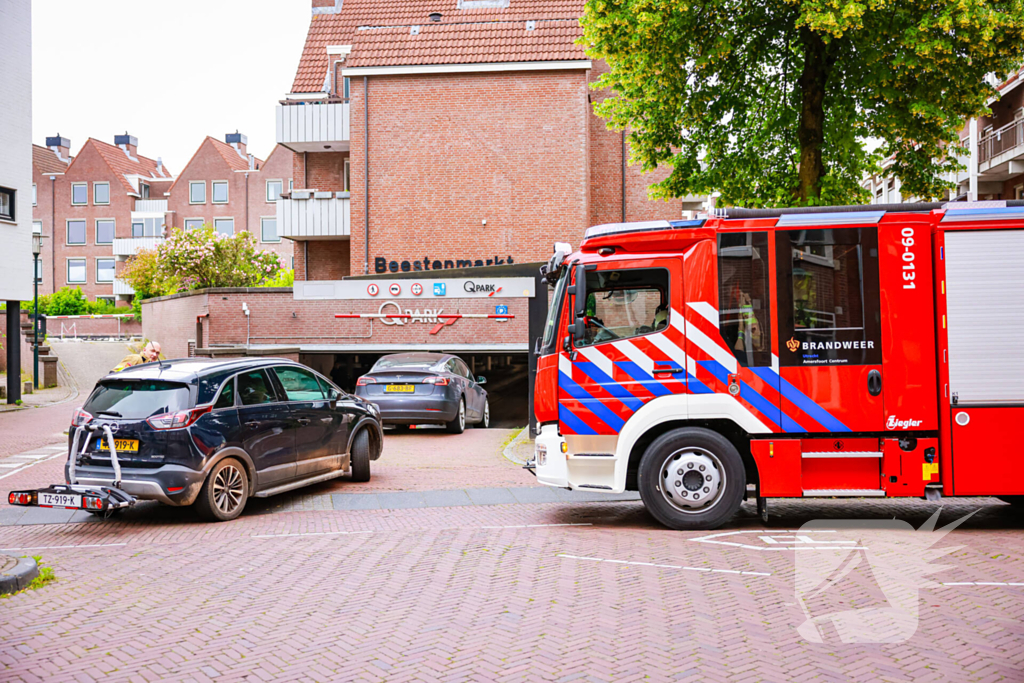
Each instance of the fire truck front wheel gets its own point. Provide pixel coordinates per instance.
(692, 478)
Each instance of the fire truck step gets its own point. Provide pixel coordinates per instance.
(843, 493)
(842, 454)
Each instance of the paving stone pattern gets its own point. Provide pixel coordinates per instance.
(425, 586)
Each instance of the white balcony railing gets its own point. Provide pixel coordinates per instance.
(312, 215)
(129, 246)
(151, 205)
(310, 126)
(122, 288)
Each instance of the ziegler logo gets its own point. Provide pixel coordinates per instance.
(895, 423)
(793, 345)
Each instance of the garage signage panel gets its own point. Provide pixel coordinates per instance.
(462, 288)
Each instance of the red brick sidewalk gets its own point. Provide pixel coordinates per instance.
(23, 430)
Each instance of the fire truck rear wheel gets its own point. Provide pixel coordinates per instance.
(692, 478)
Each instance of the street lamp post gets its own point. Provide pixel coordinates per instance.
(37, 248)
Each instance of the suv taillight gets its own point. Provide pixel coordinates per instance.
(178, 420)
(80, 418)
(437, 381)
(363, 381)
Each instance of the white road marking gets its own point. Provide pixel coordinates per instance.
(980, 583)
(665, 566)
(537, 525)
(826, 545)
(26, 465)
(55, 547)
(312, 533)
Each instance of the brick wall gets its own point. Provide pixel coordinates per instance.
(171, 320)
(276, 318)
(278, 166)
(89, 167)
(207, 166)
(93, 327)
(44, 212)
(325, 171)
(450, 151)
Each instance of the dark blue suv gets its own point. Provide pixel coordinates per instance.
(214, 432)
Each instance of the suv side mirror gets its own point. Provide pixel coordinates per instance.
(481, 380)
(580, 293)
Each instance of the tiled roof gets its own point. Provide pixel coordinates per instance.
(231, 156)
(340, 29)
(504, 41)
(45, 160)
(123, 166)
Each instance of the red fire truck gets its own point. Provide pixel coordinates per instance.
(849, 351)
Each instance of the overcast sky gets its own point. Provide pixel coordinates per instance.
(170, 73)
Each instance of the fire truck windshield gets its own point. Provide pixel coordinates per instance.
(554, 313)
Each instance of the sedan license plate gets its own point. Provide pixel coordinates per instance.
(59, 500)
(399, 388)
(122, 445)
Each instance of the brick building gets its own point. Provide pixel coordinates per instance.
(96, 208)
(225, 186)
(446, 134)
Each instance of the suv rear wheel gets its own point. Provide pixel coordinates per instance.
(458, 423)
(224, 492)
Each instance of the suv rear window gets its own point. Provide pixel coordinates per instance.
(137, 400)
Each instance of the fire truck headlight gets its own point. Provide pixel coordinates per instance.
(542, 454)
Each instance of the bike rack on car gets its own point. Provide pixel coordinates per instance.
(99, 499)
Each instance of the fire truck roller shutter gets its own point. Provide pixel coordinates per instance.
(985, 323)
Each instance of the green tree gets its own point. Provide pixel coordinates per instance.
(770, 102)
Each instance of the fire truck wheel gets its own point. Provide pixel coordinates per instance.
(458, 423)
(692, 478)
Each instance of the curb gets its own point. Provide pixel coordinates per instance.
(19, 577)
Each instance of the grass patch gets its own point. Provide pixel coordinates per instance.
(510, 438)
(46, 576)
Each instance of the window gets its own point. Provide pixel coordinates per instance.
(197, 192)
(227, 395)
(6, 204)
(625, 303)
(101, 193)
(76, 232)
(743, 310)
(106, 299)
(268, 230)
(220, 192)
(274, 190)
(104, 232)
(828, 297)
(104, 270)
(554, 313)
(291, 185)
(37, 227)
(76, 270)
(1018, 192)
(254, 388)
(346, 175)
(147, 227)
(346, 85)
(138, 399)
(144, 190)
(35, 195)
(299, 384)
(225, 226)
(193, 223)
(79, 194)
(329, 391)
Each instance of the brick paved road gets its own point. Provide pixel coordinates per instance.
(486, 593)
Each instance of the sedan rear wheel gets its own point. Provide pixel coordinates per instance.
(485, 421)
(458, 423)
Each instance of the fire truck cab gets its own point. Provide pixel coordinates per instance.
(863, 351)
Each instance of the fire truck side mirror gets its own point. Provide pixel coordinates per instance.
(580, 294)
(579, 328)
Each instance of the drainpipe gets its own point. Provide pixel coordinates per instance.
(53, 234)
(247, 205)
(305, 262)
(366, 173)
(623, 151)
(972, 168)
(305, 176)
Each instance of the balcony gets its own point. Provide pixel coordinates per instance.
(151, 206)
(313, 126)
(309, 215)
(131, 245)
(122, 288)
(1001, 153)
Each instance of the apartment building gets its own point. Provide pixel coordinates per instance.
(449, 133)
(225, 186)
(96, 208)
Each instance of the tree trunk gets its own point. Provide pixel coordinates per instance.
(811, 130)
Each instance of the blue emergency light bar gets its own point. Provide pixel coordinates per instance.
(984, 213)
(642, 226)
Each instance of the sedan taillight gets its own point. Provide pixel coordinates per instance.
(178, 420)
(363, 381)
(437, 381)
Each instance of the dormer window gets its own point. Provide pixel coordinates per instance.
(144, 190)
